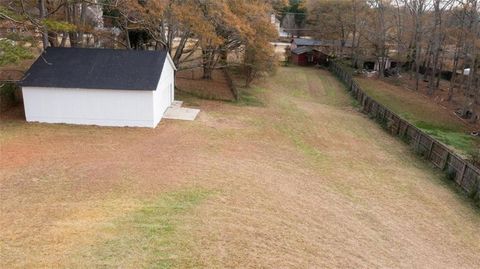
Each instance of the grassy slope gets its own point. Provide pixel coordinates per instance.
(422, 113)
(290, 177)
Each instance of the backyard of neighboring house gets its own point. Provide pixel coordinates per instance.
(434, 114)
(291, 176)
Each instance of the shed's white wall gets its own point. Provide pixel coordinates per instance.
(89, 106)
(164, 95)
(133, 108)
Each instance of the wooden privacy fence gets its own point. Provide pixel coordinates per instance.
(464, 173)
(231, 84)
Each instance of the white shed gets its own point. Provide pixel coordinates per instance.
(103, 87)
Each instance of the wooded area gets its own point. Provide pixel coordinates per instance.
(428, 38)
(195, 32)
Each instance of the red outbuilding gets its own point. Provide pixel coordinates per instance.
(307, 56)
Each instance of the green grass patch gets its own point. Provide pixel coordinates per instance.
(354, 103)
(150, 237)
(250, 97)
(459, 140)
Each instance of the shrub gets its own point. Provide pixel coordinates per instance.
(7, 90)
(7, 95)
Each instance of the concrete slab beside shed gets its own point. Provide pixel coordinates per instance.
(177, 112)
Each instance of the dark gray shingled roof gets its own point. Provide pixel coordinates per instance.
(323, 43)
(96, 69)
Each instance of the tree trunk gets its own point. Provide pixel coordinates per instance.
(472, 55)
(417, 65)
(64, 39)
(207, 73)
(454, 76)
(456, 58)
(417, 8)
(53, 39)
(179, 49)
(43, 12)
(81, 33)
(207, 56)
(440, 70)
(435, 48)
(127, 35)
(354, 33)
(426, 62)
(249, 76)
(73, 20)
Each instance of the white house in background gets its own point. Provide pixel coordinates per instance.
(103, 87)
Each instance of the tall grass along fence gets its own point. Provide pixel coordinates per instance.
(461, 171)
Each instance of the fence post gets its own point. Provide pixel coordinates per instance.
(397, 132)
(430, 149)
(417, 141)
(462, 173)
(405, 131)
(445, 162)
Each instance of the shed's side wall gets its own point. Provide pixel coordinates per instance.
(164, 95)
(89, 106)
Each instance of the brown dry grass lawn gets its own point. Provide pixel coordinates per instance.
(292, 177)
